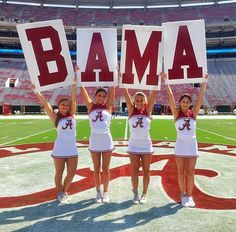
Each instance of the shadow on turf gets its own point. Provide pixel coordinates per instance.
(82, 217)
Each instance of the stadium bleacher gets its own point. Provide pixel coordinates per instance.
(221, 86)
(82, 17)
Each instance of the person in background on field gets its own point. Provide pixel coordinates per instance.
(140, 145)
(100, 141)
(186, 148)
(65, 149)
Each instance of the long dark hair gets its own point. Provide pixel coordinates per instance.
(100, 90)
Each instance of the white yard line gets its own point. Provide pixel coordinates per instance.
(216, 134)
(28, 136)
(126, 129)
(8, 124)
(4, 137)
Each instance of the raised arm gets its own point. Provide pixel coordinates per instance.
(45, 104)
(200, 97)
(88, 101)
(171, 97)
(111, 97)
(151, 101)
(129, 102)
(73, 95)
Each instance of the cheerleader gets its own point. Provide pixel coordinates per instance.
(100, 141)
(65, 150)
(186, 148)
(140, 145)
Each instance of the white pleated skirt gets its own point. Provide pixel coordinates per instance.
(140, 146)
(186, 147)
(65, 148)
(101, 143)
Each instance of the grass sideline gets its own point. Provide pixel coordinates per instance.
(22, 130)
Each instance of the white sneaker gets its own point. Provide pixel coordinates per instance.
(105, 198)
(98, 197)
(191, 203)
(143, 199)
(184, 201)
(63, 197)
(60, 196)
(136, 198)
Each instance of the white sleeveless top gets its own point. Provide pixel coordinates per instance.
(139, 124)
(185, 125)
(66, 127)
(99, 119)
(65, 144)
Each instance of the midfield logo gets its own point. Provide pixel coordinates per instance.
(168, 174)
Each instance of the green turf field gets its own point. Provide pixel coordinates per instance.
(217, 131)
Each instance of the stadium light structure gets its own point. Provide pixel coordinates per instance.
(198, 4)
(162, 6)
(127, 7)
(93, 7)
(226, 2)
(24, 3)
(59, 5)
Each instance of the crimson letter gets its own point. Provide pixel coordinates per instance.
(133, 55)
(35, 35)
(184, 55)
(96, 60)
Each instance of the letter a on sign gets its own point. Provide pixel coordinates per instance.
(141, 57)
(46, 53)
(97, 56)
(185, 51)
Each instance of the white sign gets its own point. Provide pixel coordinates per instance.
(141, 57)
(185, 51)
(97, 56)
(47, 54)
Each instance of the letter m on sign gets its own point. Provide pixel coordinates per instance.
(141, 57)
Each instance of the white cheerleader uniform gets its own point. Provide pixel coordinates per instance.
(65, 144)
(100, 139)
(140, 142)
(186, 142)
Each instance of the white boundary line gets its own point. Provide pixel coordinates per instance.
(216, 134)
(126, 129)
(28, 136)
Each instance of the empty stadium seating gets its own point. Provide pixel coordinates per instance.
(220, 91)
(82, 17)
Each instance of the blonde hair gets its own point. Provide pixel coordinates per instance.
(140, 94)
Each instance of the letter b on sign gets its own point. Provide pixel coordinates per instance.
(35, 35)
(46, 53)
